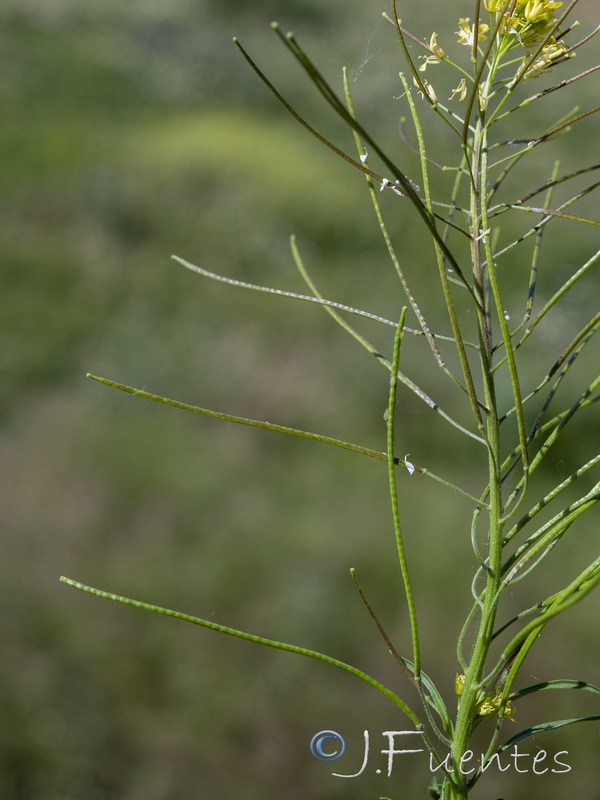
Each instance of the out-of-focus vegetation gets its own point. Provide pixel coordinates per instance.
(131, 131)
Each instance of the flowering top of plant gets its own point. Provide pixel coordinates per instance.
(528, 24)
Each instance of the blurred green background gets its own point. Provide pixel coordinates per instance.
(131, 131)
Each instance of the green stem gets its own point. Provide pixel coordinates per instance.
(467, 706)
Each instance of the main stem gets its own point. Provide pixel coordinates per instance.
(470, 697)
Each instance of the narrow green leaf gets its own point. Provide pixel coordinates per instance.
(434, 699)
(542, 727)
(557, 684)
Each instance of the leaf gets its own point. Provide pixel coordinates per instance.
(542, 727)
(434, 698)
(557, 684)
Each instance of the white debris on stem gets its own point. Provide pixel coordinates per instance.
(385, 182)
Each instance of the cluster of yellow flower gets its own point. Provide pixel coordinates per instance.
(550, 54)
(437, 55)
(528, 23)
(525, 23)
(488, 706)
(528, 20)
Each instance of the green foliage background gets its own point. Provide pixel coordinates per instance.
(131, 131)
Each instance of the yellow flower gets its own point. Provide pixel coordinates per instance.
(434, 46)
(494, 5)
(487, 708)
(428, 60)
(540, 10)
(428, 88)
(461, 91)
(545, 63)
(531, 21)
(491, 706)
(466, 34)
(437, 53)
